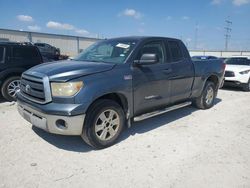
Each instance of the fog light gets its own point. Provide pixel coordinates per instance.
(61, 124)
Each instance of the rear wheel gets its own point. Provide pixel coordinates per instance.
(206, 100)
(104, 123)
(10, 88)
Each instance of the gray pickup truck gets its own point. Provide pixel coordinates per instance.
(113, 83)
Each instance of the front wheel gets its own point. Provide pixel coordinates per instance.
(206, 100)
(246, 87)
(104, 123)
(10, 88)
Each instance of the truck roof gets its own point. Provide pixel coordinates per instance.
(142, 38)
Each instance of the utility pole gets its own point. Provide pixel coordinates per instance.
(228, 30)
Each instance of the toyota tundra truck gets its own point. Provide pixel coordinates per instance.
(114, 83)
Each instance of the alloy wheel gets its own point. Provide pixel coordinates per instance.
(13, 88)
(210, 96)
(107, 125)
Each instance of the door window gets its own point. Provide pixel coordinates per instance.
(175, 50)
(2, 50)
(153, 48)
(25, 53)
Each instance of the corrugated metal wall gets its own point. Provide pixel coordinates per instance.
(69, 45)
(84, 43)
(13, 35)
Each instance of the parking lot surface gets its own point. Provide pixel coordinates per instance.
(183, 148)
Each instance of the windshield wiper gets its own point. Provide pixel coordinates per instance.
(95, 61)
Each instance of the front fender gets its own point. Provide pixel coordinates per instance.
(110, 82)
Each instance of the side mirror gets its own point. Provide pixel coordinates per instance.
(147, 59)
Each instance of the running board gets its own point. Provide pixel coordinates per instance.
(159, 112)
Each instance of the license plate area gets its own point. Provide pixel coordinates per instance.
(34, 119)
(26, 116)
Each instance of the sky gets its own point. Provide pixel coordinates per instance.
(199, 23)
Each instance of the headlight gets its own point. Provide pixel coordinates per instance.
(245, 72)
(65, 89)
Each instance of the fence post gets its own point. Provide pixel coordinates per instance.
(78, 45)
(29, 36)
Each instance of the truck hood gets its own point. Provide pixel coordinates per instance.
(237, 68)
(70, 69)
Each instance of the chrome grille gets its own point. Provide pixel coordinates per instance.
(229, 74)
(35, 87)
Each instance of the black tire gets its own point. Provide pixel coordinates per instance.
(90, 134)
(4, 89)
(202, 102)
(246, 87)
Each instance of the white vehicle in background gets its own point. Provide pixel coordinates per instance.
(238, 72)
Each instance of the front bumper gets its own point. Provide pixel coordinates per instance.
(64, 125)
(238, 78)
(233, 84)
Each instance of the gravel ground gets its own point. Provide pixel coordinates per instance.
(184, 148)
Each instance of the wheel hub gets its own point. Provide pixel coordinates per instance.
(209, 96)
(107, 125)
(13, 87)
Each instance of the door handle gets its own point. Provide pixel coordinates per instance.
(167, 71)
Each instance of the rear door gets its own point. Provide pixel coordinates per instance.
(182, 75)
(150, 82)
(5, 62)
(25, 56)
(2, 58)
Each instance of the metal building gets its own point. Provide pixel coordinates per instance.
(69, 45)
(72, 45)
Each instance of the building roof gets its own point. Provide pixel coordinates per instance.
(51, 34)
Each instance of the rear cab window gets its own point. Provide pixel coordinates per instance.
(176, 51)
(185, 51)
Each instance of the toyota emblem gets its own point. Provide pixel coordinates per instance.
(27, 88)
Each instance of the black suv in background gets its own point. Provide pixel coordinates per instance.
(15, 58)
(49, 53)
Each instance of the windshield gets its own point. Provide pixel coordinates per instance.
(107, 51)
(237, 61)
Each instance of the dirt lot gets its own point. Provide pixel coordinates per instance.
(184, 148)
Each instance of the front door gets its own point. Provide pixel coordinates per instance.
(151, 85)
